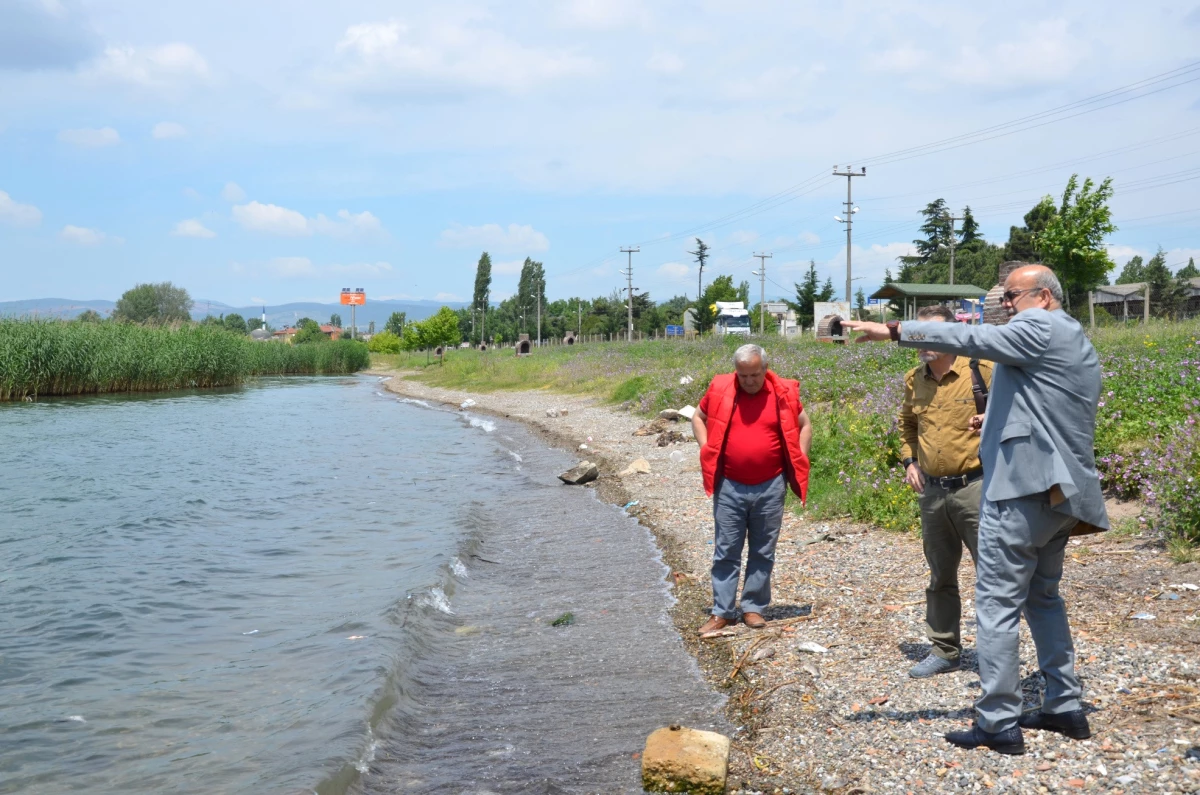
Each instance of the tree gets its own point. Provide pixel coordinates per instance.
(768, 321)
(721, 289)
(235, 323)
(154, 303)
(970, 228)
(1188, 271)
(1167, 294)
(371, 328)
(826, 293)
(1020, 238)
(483, 292)
(1072, 243)
(395, 323)
(530, 288)
(860, 300)
(887, 276)
(89, 316)
(439, 329)
(807, 294)
(308, 331)
(936, 229)
(335, 320)
(701, 255)
(1134, 271)
(253, 324)
(744, 293)
(384, 342)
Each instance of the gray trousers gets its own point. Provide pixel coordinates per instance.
(1020, 563)
(949, 521)
(742, 513)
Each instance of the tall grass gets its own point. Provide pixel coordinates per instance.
(46, 357)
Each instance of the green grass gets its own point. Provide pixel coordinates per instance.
(45, 358)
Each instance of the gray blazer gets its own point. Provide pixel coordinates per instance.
(1041, 418)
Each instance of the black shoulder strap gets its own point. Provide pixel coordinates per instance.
(979, 388)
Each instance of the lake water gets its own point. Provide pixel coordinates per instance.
(311, 586)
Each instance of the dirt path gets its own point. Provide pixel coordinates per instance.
(849, 719)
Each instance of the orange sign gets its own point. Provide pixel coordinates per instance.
(356, 299)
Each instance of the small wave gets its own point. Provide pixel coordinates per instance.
(479, 422)
(363, 765)
(459, 570)
(415, 402)
(437, 599)
(76, 718)
(516, 457)
(385, 378)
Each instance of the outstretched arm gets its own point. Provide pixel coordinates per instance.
(1021, 342)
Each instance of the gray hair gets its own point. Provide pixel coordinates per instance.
(749, 351)
(1046, 280)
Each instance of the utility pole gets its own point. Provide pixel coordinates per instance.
(579, 309)
(849, 173)
(952, 219)
(541, 287)
(629, 276)
(762, 293)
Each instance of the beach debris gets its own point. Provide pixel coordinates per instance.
(678, 759)
(583, 472)
(685, 380)
(687, 412)
(670, 414)
(670, 437)
(565, 620)
(563, 412)
(811, 647)
(879, 701)
(811, 670)
(677, 456)
(639, 466)
(466, 404)
(629, 505)
(718, 633)
(551, 412)
(824, 535)
(1168, 596)
(583, 446)
(652, 428)
(1185, 586)
(1143, 616)
(765, 653)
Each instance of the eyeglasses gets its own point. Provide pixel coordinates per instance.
(1012, 295)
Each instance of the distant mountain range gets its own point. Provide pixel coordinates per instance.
(277, 316)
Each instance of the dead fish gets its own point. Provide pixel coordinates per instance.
(765, 653)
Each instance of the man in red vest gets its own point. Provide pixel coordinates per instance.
(754, 438)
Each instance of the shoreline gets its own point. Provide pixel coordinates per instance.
(848, 719)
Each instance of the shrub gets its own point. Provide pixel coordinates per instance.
(384, 342)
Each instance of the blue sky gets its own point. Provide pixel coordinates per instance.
(276, 151)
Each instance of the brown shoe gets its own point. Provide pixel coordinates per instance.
(754, 620)
(713, 624)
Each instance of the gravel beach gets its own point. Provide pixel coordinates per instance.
(843, 716)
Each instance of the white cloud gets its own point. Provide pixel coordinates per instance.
(674, 271)
(166, 130)
(363, 224)
(603, 14)
(1122, 254)
(17, 214)
(191, 193)
(90, 138)
(493, 237)
(447, 297)
(232, 192)
(441, 56)
(275, 220)
(152, 67)
(362, 269)
(667, 63)
(84, 236)
(256, 300)
(510, 267)
(271, 219)
(192, 228)
(292, 266)
(810, 238)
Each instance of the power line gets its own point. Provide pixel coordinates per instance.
(629, 274)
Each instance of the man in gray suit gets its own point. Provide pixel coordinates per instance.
(1040, 486)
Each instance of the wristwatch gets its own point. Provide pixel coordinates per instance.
(905, 462)
(894, 329)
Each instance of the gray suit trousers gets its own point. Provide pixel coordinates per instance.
(1021, 547)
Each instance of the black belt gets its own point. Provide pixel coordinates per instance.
(951, 482)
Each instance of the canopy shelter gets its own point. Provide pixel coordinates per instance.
(910, 296)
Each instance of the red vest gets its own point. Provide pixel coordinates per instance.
(721, 394)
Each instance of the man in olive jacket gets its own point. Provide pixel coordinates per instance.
(1040, 486)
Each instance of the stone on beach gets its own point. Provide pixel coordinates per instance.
(687, 412)
(670, 414)
(677, 759)
(639, 466)
(583, 472)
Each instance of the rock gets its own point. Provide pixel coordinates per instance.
(670, 437)
(551, 412)
(677, 759)
(812, 648)
(687, 412)
(765, 653)
(677, 456)
(583, 447)
(652, 428)
(685, 380)
(466, 404)
(670, 414)
(639, 466)
(584, 472)
(563, 412)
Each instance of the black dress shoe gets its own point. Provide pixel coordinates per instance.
(1072, 724)
(1009, 741)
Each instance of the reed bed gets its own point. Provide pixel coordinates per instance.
(41, 358)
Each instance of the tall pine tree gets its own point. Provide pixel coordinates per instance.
(483, 291)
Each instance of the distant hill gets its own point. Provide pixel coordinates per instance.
(278, 316)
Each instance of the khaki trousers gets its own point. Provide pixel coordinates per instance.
(949, 521)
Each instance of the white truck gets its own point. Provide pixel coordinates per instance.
(732, 318)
